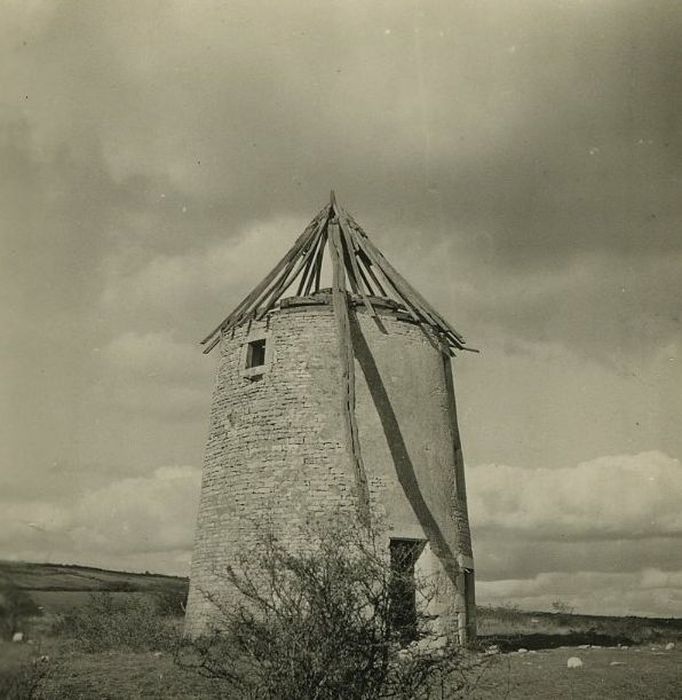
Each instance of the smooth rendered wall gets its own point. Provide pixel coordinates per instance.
(276, 453)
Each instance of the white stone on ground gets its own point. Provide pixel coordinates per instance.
(574, 662)
(670, 646)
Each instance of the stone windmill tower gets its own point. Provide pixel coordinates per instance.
(333, 399)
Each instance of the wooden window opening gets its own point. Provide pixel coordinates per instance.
(255, 354)
(403, 604)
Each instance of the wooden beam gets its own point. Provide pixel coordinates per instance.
(345, 258)
(408, 287)
(421, 313)
(368, 266)
(347, 366)
(290, 275)
(319, 261)
(247, 301)
(309, 272)
(212, 344)
(408, 292)
(362, 255)
(366, 282)
(389, 281)
(277, 287)
(350, 245)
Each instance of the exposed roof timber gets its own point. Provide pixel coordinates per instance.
(365, 268)
(247, 304)
(341, 314)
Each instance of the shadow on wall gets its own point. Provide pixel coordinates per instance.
(399, 453)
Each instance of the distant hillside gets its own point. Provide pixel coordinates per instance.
(59, 587)
(68, 577)
(511, 628)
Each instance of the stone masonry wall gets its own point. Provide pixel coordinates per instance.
(276, 454)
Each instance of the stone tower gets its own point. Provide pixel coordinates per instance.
(330, 400)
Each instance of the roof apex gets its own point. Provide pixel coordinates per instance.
(359, 262)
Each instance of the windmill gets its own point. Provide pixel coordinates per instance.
(312, 388)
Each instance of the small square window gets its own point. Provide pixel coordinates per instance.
(255, 354)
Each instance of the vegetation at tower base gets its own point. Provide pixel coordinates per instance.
(329, 621)
(54, 665)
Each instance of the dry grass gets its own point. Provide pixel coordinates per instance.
(116, 675)
(644, 670)
(60, 577)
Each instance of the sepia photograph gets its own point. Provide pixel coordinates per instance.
(341, 349)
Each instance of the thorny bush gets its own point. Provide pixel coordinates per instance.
(321, 623)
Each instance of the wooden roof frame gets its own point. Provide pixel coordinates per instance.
(355, 259)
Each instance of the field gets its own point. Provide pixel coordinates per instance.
(527, 652)
(61, 577)
(637, 672)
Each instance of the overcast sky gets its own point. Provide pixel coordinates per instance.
(520, 162)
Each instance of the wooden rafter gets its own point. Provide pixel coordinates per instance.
(250, 301)
(364, 268)
(347, 366)
(351, 245)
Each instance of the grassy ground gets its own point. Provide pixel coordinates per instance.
(641, 667)
(641, 672)
(61, 577)
(58, 602)
(623, 674)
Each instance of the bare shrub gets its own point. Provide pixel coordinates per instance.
(562, 607)
(507, 611)
(104, 623)
(16, 606)
(322, 622)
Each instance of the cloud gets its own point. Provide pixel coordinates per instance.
(625, 496)
(603, 535)
(151, 514)
(145, 519)
(607, 565)
(151, 375)
(151, 354)
(591, 305)
(502, 554)
(211, 276)
(255, 108)
(648, 592)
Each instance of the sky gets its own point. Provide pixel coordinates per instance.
(519, 162)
